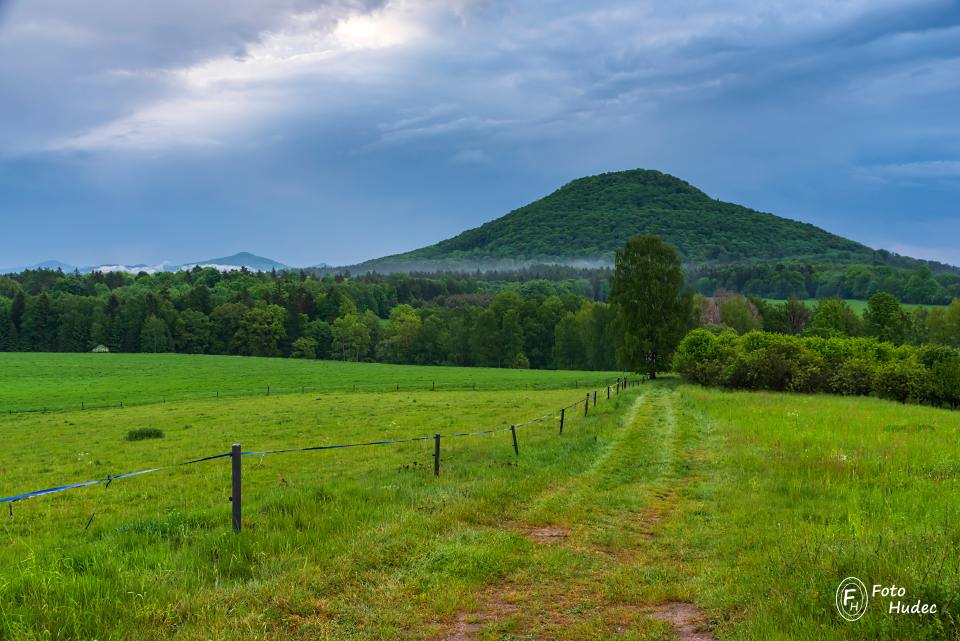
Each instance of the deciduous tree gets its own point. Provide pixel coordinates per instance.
(653, 308)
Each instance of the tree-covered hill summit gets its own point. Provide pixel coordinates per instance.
(588, 219)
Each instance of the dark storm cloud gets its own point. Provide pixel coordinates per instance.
(319, 131)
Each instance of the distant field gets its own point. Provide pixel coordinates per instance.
(749, 507)
(857, 306)
(35, 381)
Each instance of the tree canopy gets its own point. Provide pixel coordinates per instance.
(653, 308)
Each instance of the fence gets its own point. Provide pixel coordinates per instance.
(272, 390)
(237, 453)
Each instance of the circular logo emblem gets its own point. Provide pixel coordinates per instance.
(851, 598)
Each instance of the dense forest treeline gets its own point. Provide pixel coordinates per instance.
(543, 317)
(781, 280)
(804, 280)
(447, 319)
(883, 318)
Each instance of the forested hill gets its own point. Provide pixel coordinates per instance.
(587, 220)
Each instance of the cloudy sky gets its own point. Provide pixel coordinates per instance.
(314, 131)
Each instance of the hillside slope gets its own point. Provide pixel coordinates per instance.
(588, 219)
(241, 259)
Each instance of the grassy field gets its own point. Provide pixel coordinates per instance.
(858, 306)
(37, 381)
(735, 512)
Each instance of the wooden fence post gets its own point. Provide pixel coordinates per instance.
(562, 412)
(436, 455)
(586, 405)
(513, 431)
(235, 497)
(594, 398)
(608, 392)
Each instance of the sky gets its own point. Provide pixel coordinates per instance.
(315, 131)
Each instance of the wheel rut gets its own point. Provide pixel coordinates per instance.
(610, 512)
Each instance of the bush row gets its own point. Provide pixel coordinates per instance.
(851, 366)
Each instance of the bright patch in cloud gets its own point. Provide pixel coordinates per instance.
(217, 96)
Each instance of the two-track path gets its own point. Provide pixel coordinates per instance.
(604, 525)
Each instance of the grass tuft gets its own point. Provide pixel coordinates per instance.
(143, 434)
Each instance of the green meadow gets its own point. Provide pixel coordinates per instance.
(38, 381)
(748, 508)
(858, 306)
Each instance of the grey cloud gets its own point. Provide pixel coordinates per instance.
(800, 108)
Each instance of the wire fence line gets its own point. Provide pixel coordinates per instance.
(271, 390)
(236, 453)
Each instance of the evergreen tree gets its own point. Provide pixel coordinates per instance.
(17, 310)
(199, 299)
(9, 341)
(39, 325)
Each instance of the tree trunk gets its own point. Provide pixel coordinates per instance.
(653, 374)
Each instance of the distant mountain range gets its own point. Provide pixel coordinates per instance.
(584, 222)
(225, 263)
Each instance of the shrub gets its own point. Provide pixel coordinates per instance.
(849, 366)
(903, 380)
(701, 355)
(144, 433)
(931, 355)
(521, 361)
(945, 383)
(774, 362)
(304, 347)
(854, 377)
(810, 374)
